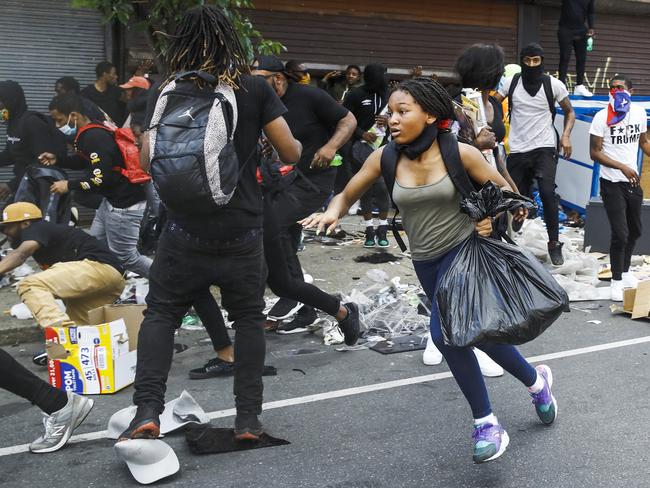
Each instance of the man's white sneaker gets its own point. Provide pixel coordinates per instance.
(488, 367)
(581, 90)
(616, 289)
(431, 355)
(629, 280)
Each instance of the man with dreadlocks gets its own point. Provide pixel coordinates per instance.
(221, 247)
(426, 193)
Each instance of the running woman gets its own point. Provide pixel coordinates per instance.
(429, 203)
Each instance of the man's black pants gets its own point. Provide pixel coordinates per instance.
(568, 40)
(622, 203)
(185, 267)
(538, 165)
(17, 379)
(281, 235)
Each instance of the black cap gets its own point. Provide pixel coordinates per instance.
(269, 63)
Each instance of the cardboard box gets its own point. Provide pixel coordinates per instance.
(636, 301)
(96, 359)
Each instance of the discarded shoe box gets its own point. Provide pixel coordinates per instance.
(95, 359)
(636, 301)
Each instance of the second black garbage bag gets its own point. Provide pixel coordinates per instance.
(495, 292)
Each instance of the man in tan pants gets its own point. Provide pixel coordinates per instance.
(78, 269)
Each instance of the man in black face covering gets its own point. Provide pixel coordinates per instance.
(533, 140)
(367, 104)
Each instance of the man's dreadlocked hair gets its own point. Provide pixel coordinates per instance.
(431, 96)
(205, 40)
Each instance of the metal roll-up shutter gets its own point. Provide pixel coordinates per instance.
(399, 35)
(618, 48)
(43, 40)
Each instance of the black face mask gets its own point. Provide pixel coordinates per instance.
(532, 77)
(421, 143)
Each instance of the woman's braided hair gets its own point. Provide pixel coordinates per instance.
(430, 95)
(205, 40)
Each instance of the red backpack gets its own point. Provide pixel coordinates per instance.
(125, 141)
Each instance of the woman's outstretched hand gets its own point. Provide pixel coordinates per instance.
(322, 221)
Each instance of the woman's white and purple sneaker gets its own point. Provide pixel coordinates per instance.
(544, 401)
(490, 441)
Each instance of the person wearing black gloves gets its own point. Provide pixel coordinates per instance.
(575, 28)
(105, 93)
(29, 134)
(322, 126)
(533, 140)
(367, 104)
(118, 219)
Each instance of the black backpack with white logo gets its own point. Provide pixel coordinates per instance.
(194, 164)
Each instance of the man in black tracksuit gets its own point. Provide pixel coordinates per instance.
(576, 26)
(29, 134)
(367, 103)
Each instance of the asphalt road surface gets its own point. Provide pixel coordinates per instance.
(359, 419)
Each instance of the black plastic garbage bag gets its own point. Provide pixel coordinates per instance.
(491, 200)
(495, 292)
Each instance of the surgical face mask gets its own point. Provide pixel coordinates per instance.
(67, 130)
(4, 116)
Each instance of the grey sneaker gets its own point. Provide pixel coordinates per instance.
(60, 425)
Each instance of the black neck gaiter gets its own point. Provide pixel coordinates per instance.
(420, 144)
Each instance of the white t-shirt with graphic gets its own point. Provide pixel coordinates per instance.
(620, 141)
(531, 123)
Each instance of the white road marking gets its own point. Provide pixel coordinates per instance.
(357, 390)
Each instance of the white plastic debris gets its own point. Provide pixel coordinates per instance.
(21, 312)
(22, 271)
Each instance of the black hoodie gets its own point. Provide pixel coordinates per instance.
(368, 100)
(29, 134)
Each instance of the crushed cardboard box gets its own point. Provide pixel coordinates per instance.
(636, 301)
(95, 359)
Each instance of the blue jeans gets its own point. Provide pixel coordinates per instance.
(120, 229)
(461, 361)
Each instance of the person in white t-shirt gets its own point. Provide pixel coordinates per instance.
(533, 140)
(617, 132)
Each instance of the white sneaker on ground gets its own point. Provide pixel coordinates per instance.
(354, 208)
(629, 280)
(488, 367)
(616, 289)
(581, 90)
(431, 355)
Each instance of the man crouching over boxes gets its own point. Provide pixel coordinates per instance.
(78, 269)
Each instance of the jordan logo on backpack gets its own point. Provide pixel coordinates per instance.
(187, 113)
(194, 164)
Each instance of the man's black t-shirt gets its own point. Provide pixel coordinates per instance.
(61, 243)
(312, 117)
(257, 105)
(99, 148)
(109, 101)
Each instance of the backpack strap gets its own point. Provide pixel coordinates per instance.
(550, 98)
(389, 159)
(207, 77)
(454, 164)
(511, 91)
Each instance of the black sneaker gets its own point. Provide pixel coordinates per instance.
(382, 240)
(248, 427)
(350, 324)
(145, 425)
(370, 237)
(213, 368)
(283, 309)
(555, 252)
(305, 317)
(40, 358)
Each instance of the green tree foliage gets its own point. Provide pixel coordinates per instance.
(160, 16)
